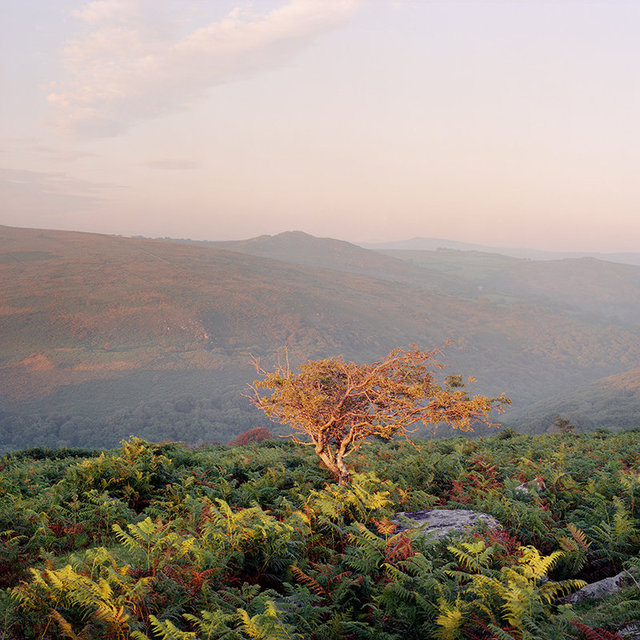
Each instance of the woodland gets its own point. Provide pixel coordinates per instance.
(255, 540)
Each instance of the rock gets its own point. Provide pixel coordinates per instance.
(630, 632)
(441, 522)
(599, 589)
(537, 485)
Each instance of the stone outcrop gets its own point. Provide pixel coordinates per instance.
(630, 632)
(438, 523)
(537, 485)
(598, 589)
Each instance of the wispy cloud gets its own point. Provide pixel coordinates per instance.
(30, 146)
(47, 194)
(132, 64)
(171, 165)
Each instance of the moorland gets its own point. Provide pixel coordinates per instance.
(176, 536)
(164, 541)
(105, 336)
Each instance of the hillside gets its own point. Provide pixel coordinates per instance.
(435, 244)
(97, 328)
(573, 285)
(472, 266)
(297, 247)
(584, 285)
(612, 403)
(593, 286)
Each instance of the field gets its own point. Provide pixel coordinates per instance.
(255, 541)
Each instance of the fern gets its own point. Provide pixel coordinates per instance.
(67, 629)
(630, 483)
(534, 566)
(266, 625)
(106, 600)
(473, 556)
(359, 501)
(153, 539)
(517, 591)
(551, 591)
(213, 625)
(500, 634)
(579, 536)
(595, 634)
(308, 581)
(168, 631)
(449, 620)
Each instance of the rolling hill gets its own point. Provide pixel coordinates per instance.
(612, 403)
(96, 326)
(434, 244)
(573, 285)
(297, 247)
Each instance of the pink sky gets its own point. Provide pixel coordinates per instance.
(504, 123)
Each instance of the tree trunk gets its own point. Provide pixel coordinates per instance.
(336, 466)
(344, 475)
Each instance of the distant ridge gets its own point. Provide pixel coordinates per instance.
(300, 248)
(611, 402)
(433, 244)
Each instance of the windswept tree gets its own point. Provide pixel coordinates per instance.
(335, 406)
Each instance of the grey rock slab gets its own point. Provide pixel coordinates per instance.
(599, 589)
(630, 632)
(537, 485)
(439, 523)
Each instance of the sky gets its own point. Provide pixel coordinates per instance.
(512, 123)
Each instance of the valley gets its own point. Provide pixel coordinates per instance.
(95, 327)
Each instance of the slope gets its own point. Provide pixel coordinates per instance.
(92, 324)
(573, 285)
(434, 244)
(297, 247)
(612, 402)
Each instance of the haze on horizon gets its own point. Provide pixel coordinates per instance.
(490, 122)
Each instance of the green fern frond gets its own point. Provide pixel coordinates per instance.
(473, 556)
(623, 525)
(267, 625)
(553, 590)
(364, 533)
(168, 631)
(128, 541)
(517, 605)
(499, 633)
(214, 625)
(395, 591)
(579, 536)
(449, 620)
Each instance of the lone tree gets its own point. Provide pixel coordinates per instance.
(336, 405)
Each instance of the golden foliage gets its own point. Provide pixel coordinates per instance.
(336, 405)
